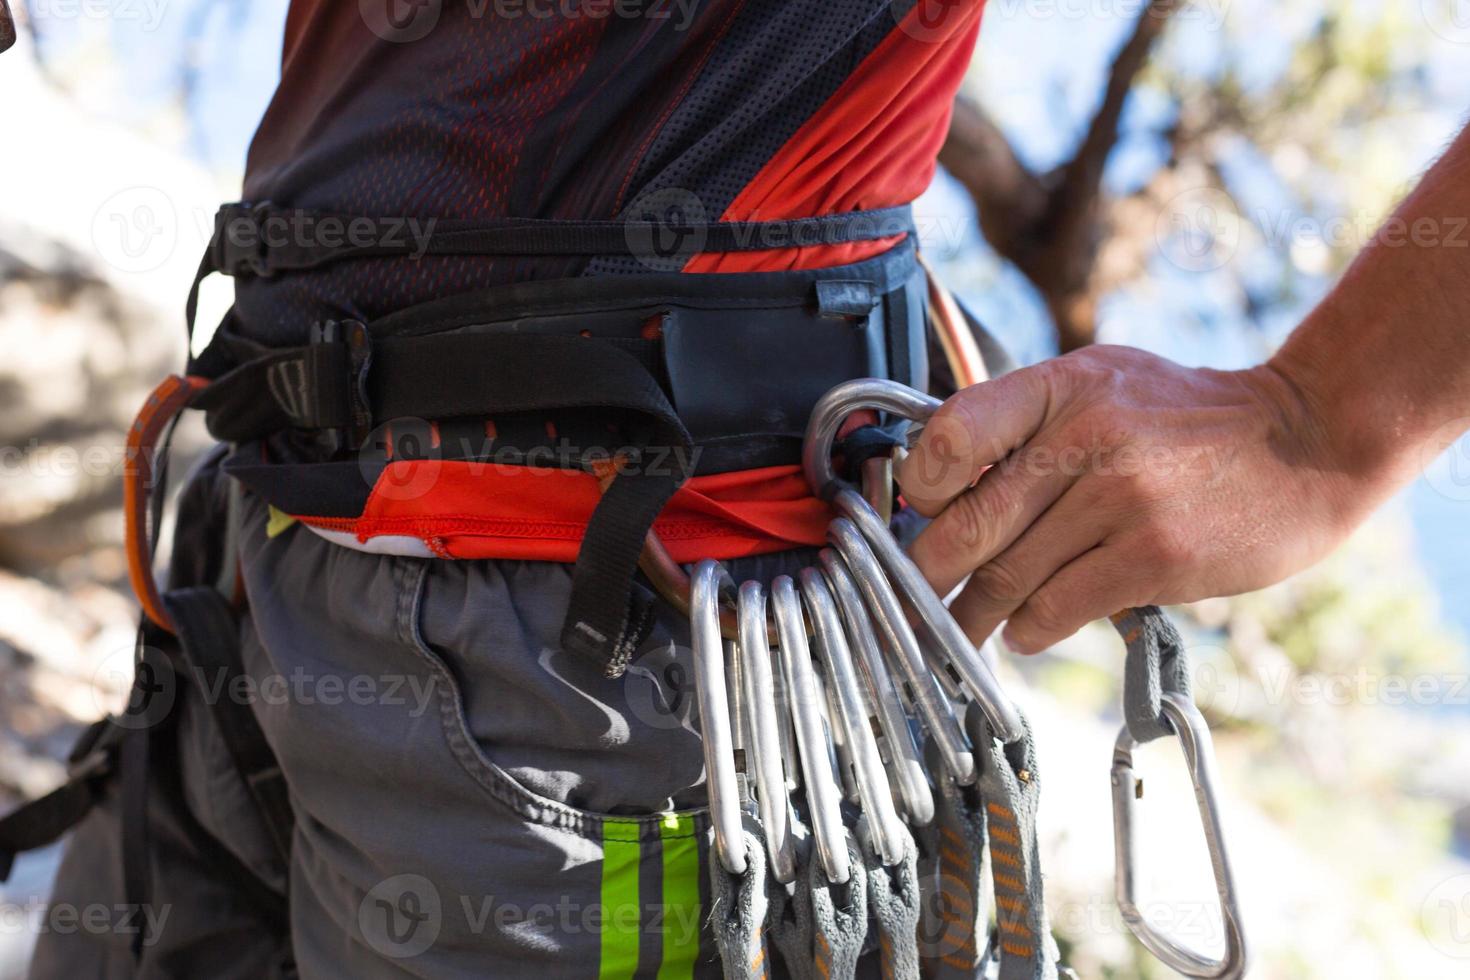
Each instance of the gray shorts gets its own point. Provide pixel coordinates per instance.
(470, 801)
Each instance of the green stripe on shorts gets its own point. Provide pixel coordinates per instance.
(621, 915)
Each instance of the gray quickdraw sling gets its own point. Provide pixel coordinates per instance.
(872, 787)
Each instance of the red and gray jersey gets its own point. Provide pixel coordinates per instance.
(731, 109)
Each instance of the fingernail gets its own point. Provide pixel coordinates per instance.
(1009, 643)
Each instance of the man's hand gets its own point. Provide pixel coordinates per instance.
(1112, 478)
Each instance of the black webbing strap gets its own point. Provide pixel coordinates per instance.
(209, 639)
(42, 821)
(481, 374)
(262, 239)
(442, 376)
(137, 843)
(512, 373)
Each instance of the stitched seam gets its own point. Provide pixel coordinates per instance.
(484, 771)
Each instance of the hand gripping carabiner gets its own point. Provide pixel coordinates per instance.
(971, 665)
(1194, 738)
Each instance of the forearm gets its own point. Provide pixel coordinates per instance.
(1383, 364)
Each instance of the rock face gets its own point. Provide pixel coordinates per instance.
(78, 356)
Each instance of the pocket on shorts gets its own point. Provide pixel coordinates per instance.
(542, 729)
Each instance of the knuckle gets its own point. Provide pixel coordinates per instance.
(1000, 582)
(972, 530)
(1046, 614)
(1168, 547)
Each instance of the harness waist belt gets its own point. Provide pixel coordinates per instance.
(717, 372)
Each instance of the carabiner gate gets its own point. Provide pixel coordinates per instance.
(1194, 738)
(972, 667)
(709, 583)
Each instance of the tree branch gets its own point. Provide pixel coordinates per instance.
(1051, 233)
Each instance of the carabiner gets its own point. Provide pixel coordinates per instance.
(709, 582)
(762, 730)
(902, 759)
(1194, 738)
(923, 686)
(973, 667)
(852, 717)
(823, 801)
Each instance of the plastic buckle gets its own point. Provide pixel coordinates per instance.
(354, 336)
(236, 258)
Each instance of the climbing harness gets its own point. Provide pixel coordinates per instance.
(870, 781)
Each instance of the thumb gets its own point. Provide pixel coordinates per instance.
(976, 428)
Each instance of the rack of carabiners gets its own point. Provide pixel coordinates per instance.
(854, 740)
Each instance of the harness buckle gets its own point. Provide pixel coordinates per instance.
(329, 339)
(240, 246)
(1194, 739)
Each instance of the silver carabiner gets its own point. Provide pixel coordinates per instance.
(972, 666)
(823, 801)
(709, 581)
(923, 685)
(906, 767)
(762, 730)
(1194, 738)
(852, 717)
